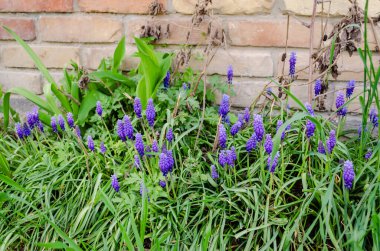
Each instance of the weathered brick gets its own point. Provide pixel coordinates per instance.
(51, 55)
(117, 6)
(91, 56)
(28, 80)
(245, 62)
(24, 27)
(338, 7)
(351, 68)
(227, 6)
(89, 29)
(178, 30)
(36, 5)
(269, 32)
(21, 104)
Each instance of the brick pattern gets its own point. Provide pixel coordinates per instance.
(255, 31)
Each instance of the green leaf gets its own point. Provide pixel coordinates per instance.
(12, 183)
(50, 99)
(88, 103)
(4, 165)
(118, 55)
(61, 97)
(113, 76)
(54, 245)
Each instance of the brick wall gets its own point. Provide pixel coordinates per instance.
(87, 30)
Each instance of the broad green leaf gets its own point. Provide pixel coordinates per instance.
(12, 183)
(118, 55)
(88, 103)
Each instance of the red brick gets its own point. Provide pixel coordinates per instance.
(87, 29)
(117, 6)
(24, 27)
(36, 5)
(270, 33)
(178, 30)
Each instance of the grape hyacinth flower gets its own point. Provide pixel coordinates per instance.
(167, 80)
(272, 167)
(368, 155)
(137, 107)
(166, 163)
(61, 122)
(32, 118)
(233, 153)
(279, 124)
(321, 148)
(269, 91)
(268, 145)
(115, 183)
(235, 128)
(137, 161)
(292, 64)
(170, 160)
(309, 108)
(258, 127)
(318, 87)
(40, 126)
(230, 158)
(247, 115)
(70, 119)
(155, 146)
(127, 127)
(90, 143)
(99, 109)
(331, 141)
(150, 112)
(373, 117)
(223, 158)
(139, 144)
(230, 74)
(19, 131)
(121, 131)
(103, 148)
(77, 131)
(53, 123)
(339, 102)
(162, 183)
(169, 135)
(348, 174)
(226, 120)
(214, 172)
(310, 128)
(222, 136)
(251, 143)
(350, 88)
(185, 86)
(224, 107)
(26, 130)
(241, 118)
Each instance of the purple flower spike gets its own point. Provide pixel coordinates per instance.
(150, 112)
(274, 163)
(321, 148)
(292, 64)
(258, 127)
(155, 146)
(26, 130)
(222, 136)
(318, 87)
(331, 141)
(164, 164)
(162, 183)
(53, 123)
(90, 143)
(70, 119)
(350, 88)
(236, 128)
(19, 130)
(309, 108)
(121, 131)
(241, 118)
(268, 145)
(40, 126)
(230, 158)
(279, 124)
(251, 143)
(169, 135)
(185, 86)
(167, 80)
(139, 144)
(99, 109)
(137, 161)
(137, 107)
(103, 148)
(127, 127)
(348, 174)
(32, 118)
(368, 155)
(214, 173)
(339, 102)
(226, 120)
(373, 117)
(224, 107)
(310, 128)
(247, 115)
(61, 122)
(115, 183)
(230, 74)
(223, 158)
(77, 131)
